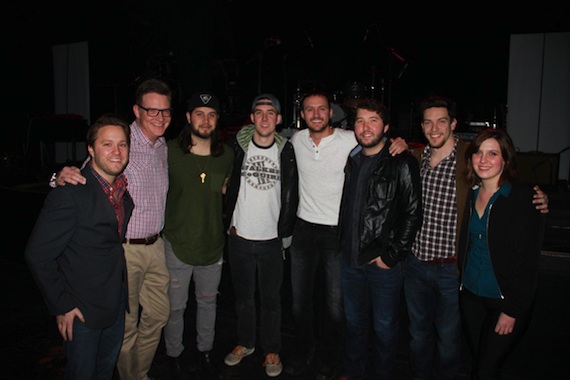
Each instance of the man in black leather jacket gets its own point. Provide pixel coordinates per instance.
(381, 211)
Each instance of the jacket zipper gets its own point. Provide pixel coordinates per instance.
(490, 257)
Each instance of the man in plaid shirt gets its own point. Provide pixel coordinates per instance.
(431, 281)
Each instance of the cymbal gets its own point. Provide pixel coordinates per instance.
(338, 113)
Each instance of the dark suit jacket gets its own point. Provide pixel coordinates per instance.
(75, 252)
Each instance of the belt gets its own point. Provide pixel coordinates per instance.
(442, 260)
(316, 224)
(233, 231)
(146, 241)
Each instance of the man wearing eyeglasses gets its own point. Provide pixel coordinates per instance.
(148, 277)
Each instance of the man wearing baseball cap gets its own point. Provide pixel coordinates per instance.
(261, 204)
(199, 165)
(268, 100)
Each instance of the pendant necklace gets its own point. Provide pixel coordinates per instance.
(202, 171)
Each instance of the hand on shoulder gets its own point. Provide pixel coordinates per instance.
(69, 174)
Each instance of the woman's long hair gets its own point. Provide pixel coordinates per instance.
(507, 151)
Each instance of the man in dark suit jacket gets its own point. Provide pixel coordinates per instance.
(76, 256)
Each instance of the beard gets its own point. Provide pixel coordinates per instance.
(318, 128)
(202, 134)
(370, 143)
(440, 141)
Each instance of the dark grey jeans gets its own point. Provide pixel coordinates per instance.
(246, 258)
(316, 275)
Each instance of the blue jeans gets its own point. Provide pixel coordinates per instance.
(246, 257)
(432, 299)
(93, 353)
(314, 250)
(371, 299)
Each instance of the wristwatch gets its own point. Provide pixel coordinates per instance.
(52, 182)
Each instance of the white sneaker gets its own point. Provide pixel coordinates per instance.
(237, 354)
(272, 364)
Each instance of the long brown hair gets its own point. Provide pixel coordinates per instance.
(507, 151)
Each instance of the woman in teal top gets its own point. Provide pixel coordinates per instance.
(499, 249)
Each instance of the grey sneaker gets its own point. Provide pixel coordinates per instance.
(237, 354)
(273, 366)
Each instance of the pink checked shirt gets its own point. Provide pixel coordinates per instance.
(147, 173)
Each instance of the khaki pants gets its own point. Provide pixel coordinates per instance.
(148, 288)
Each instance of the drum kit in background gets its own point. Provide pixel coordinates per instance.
(344, 103)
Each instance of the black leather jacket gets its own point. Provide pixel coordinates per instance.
(392, 210)
(289, 180)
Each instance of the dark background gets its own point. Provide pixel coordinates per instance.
(397, 53)
(230, 47)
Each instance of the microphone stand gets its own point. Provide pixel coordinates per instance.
(392, 53)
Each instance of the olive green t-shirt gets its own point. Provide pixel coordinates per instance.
(194, 208)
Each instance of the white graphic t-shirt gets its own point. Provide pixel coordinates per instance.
(259, 199)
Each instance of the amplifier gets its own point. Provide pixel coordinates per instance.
(537, 168)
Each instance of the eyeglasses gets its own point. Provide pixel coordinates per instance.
(153, 112)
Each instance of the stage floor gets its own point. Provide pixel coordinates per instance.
(31, 347)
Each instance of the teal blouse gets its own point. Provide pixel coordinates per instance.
(479, 277)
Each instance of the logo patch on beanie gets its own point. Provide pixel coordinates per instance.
(205, 98)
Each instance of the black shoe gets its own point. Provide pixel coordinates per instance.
(208, 368)
(176, 369)
(327, 372)
(298, 366)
